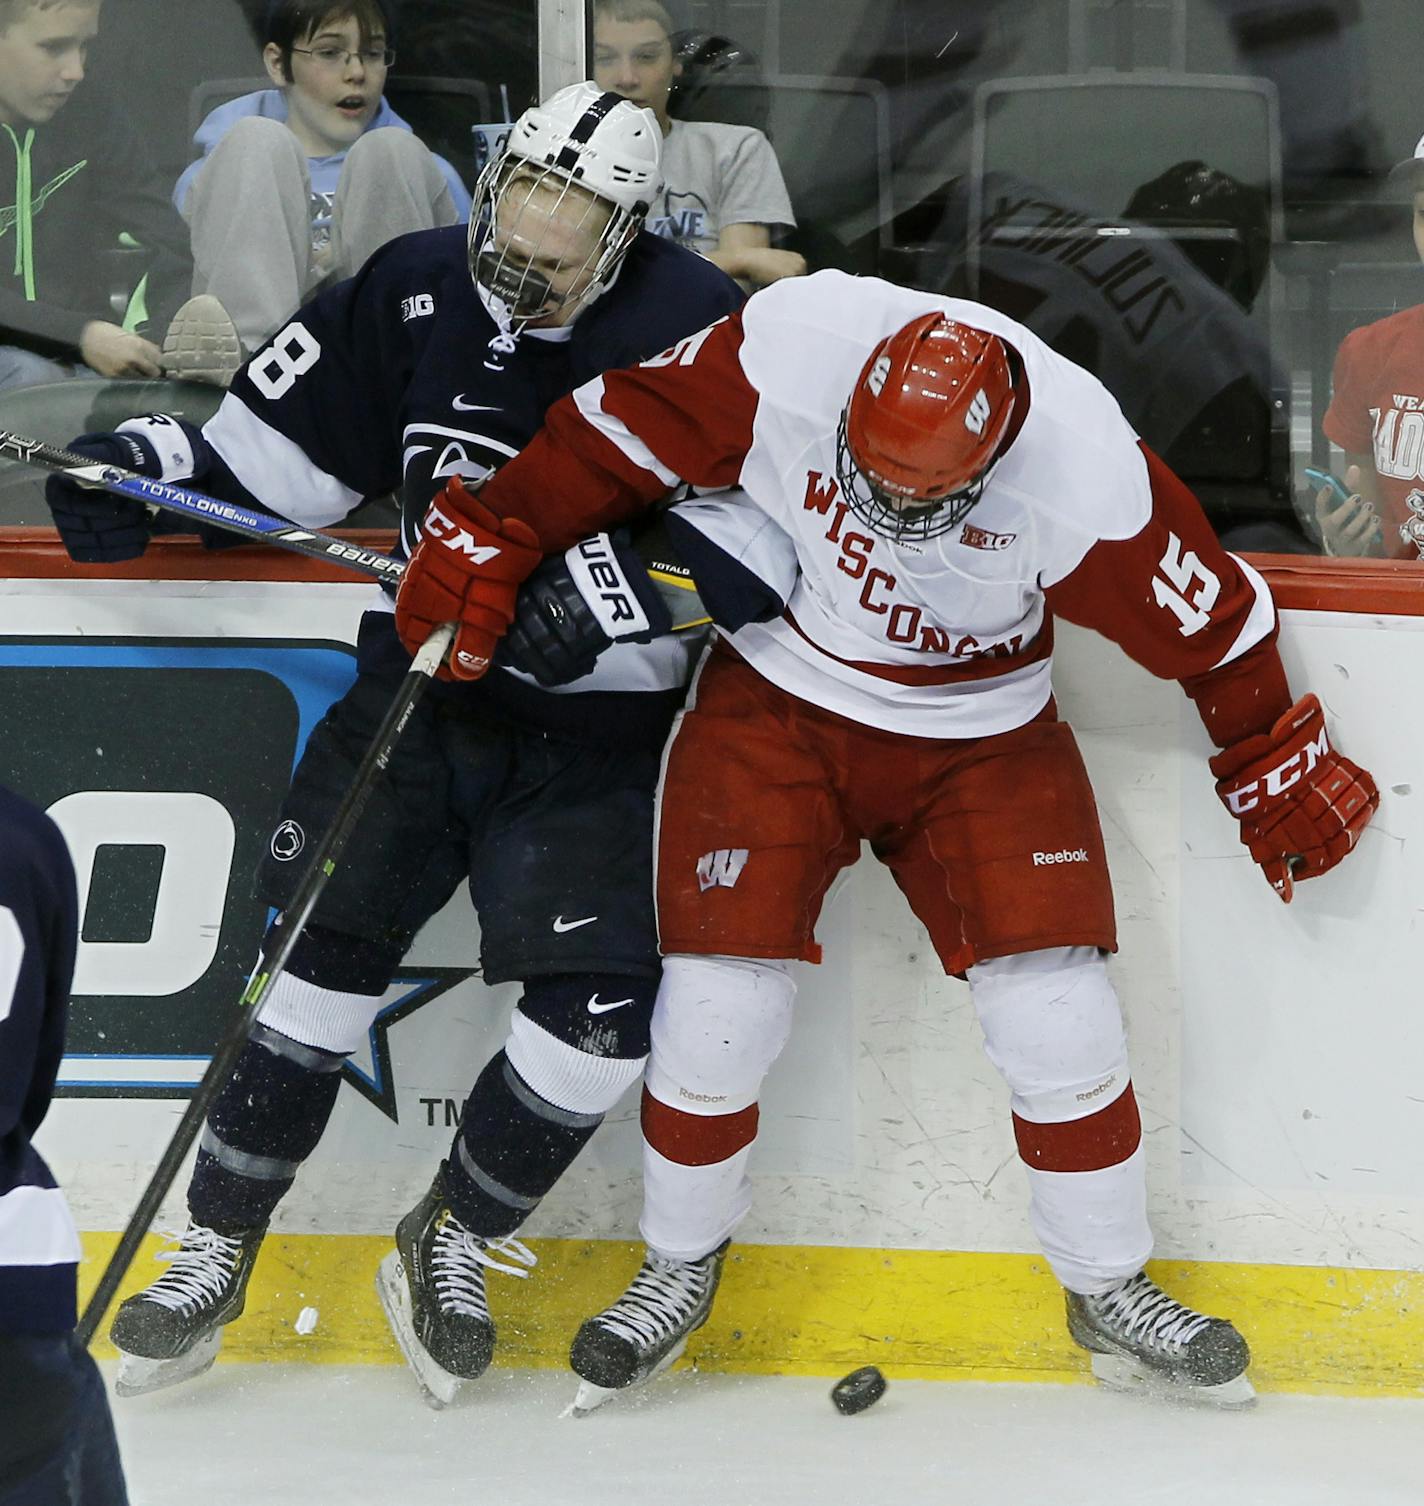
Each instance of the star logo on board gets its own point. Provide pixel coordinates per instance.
(368, 1069)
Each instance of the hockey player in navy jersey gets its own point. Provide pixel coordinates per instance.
(413, 373)
(57, 1443)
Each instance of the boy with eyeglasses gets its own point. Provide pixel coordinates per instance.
(300, 184)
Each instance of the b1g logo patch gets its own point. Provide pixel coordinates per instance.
(985, 538)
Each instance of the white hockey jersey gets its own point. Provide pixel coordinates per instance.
(949, 637)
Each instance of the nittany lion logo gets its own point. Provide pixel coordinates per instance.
(287, 841)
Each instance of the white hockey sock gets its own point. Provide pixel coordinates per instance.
(689, 1210)
(1092, 1224)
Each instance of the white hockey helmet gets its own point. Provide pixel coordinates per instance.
(578, 176)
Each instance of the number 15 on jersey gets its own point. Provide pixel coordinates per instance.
(1185, 587)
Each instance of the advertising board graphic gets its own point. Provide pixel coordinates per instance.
(164, 763)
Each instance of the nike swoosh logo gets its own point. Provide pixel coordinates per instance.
(461, 406)
(594, 1007)
(561, 925)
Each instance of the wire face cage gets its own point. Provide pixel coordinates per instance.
(891, 517)
(541, 243)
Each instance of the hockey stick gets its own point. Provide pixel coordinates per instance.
(323, 864)
(260, 526)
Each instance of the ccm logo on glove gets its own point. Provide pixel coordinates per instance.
(466, 569)
(1301, 803)
(1245, 798)
(438, 526)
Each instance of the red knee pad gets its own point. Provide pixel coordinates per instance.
(696, 1139)
(1104, 1139)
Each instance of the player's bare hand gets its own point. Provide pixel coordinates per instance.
(114, 352)
(1350, 529)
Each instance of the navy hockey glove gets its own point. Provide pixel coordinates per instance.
(575, 605)
(98, 528)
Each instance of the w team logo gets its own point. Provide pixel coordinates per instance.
(721, 868)
(979, 413)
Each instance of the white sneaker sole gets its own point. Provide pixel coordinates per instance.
(1118, 1373)
(437, 1384)
(202, 344)
(590, 1397)
(137, 1375)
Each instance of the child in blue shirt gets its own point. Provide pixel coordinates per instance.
(299, 184)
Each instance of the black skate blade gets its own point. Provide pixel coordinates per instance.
(1116, 1372)
(591, 1397)
(438, 1387)
(138, 1375)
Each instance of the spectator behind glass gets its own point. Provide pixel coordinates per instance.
(1155, 303)
(78, 176)
(722, 186)
(1377, 417)
(299, 184)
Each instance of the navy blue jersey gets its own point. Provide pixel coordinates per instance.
(400, 378)
(39, 1250)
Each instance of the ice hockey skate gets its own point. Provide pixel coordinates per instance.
(1143, 1340)
(646, 1329)
(432, 1287)
(173, 1330)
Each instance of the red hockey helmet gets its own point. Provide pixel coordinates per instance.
(924, 426)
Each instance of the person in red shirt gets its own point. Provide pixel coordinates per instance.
(1376, 416)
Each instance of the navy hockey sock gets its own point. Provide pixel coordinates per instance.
(265, 1122)
(510, 1149)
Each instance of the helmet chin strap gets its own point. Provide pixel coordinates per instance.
(523, 292)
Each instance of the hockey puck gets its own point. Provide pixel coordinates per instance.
(855, 1392)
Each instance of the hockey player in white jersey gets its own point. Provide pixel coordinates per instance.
(948, 486)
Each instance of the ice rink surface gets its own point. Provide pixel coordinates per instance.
(316, 1434)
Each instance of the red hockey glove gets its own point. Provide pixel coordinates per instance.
(1301, 804)
(466, 569)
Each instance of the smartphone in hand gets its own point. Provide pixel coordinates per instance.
(1350, 530)
(1319, 478)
